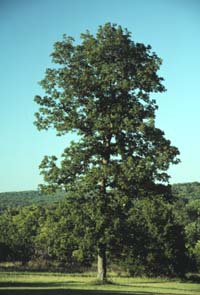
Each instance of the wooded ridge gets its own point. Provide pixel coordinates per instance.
(186, 191)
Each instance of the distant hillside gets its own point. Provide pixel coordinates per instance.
(26, 198)
(187, 191)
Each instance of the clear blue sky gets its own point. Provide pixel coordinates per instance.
(28, 30)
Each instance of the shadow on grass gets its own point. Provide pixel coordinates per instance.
(38, 284)
(69, 292)
(43, 288)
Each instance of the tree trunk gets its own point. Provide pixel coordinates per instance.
(102, 265)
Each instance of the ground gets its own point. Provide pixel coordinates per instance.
(18, 283)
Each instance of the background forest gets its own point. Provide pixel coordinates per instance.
(161, 238)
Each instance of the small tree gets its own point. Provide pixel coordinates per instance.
(160, 249)
(101, 90)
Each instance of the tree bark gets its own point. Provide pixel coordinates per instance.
(102, 264)
(101, 261)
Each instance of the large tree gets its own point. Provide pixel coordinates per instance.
(101, 90)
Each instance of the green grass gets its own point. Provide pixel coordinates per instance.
(18, 283)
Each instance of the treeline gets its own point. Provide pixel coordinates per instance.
(27, 198)
(155, 237)
(186, 191)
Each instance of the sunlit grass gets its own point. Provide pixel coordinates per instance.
(55, 283)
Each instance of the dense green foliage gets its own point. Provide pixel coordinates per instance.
(155, 241)
(161, 238)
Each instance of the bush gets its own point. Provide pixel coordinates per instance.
(197, 254)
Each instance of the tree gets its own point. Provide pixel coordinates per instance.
(56, 240)
(192, 231)
(160, 249)
(18, 230)
(101, 90)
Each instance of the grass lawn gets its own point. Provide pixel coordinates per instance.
(18, 283)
